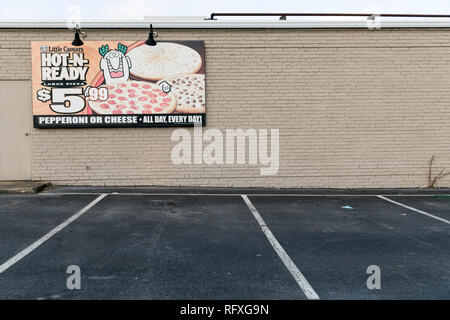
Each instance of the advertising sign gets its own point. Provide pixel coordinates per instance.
(118, 84)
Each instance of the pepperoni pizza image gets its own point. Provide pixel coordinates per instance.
(135, 97)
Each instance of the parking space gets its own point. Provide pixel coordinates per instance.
(198, 246)
(334, 239)
(25, 218)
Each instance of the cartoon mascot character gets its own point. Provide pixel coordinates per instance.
(114, 64)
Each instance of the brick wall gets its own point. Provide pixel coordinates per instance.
(355, 108)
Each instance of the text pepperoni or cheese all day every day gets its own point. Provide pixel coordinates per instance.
(132, 119)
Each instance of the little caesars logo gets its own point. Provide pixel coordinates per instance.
(191, 150)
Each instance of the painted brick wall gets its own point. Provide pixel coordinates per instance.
(355, 108)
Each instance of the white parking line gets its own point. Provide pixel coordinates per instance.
(290, 265)
(414, 209)
(36, 244)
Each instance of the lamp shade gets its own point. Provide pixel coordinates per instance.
(151, 40)
(77, 41)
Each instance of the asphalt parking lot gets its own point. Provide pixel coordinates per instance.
(144, 245)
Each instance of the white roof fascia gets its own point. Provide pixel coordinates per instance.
(202, 23)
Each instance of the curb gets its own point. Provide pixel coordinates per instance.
(25, 190)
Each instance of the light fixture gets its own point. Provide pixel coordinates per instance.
(151, 37)
(77, 42)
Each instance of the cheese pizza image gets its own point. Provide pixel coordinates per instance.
(165, 60)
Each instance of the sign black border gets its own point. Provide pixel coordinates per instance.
(36, 124)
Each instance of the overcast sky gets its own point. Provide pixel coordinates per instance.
(136, 9)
